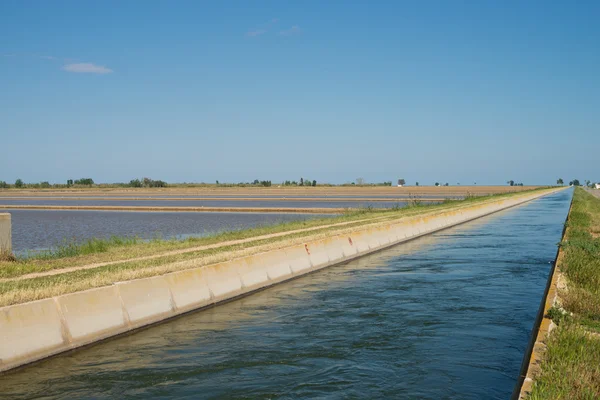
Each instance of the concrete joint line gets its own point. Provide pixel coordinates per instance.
(174, 308)
(123, 308)
(64, 327)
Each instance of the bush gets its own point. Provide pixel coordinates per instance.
(84, 181)
(146, 182)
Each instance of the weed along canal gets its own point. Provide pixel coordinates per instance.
(444, 316)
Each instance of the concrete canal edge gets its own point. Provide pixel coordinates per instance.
(5, 233)
(542, 326)
(36, 330)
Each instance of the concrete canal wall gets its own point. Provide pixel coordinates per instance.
(39, 329)
(5, 233)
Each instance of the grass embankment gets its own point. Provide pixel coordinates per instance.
(101, 262)
(571, 368)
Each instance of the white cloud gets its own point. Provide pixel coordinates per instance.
(262, 29)
(86, 68)
(257, 32)
(294, 30)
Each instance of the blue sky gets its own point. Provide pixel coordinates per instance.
(448, 91)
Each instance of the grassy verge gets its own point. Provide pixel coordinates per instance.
(571, 369)
(124, 254)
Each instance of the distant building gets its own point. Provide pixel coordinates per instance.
(597, 185)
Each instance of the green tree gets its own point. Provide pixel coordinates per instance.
(511, 182)
(136, 183)
(437, 184)
(85, 181)
(401, 182)
(576, 182)
(417, 184)
(314, 182)
(301, 181)
(3, 185)
(559, 181)
(19, 183)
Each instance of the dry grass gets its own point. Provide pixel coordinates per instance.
(7, 256)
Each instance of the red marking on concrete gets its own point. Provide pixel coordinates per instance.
(307, 251)
(350, 240)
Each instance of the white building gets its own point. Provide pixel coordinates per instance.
(597, 185)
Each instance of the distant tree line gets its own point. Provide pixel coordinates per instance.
(19, 184)
(303, 182)
(575, 182)
(146, 182)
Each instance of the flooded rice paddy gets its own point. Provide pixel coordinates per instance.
(155, 202)
(43, 229)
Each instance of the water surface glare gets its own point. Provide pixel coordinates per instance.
(446, 316)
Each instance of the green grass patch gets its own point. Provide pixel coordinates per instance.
(571, 369)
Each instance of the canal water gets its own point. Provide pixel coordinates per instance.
(446, 316)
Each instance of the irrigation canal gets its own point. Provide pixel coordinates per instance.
(446, 316)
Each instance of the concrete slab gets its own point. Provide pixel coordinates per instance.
(223, 280)
(275, 264)
(253, 275)
(146, 300)
(298, 258)
(29, 331)
(189, 289)
(318, 253)
(92, 314)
